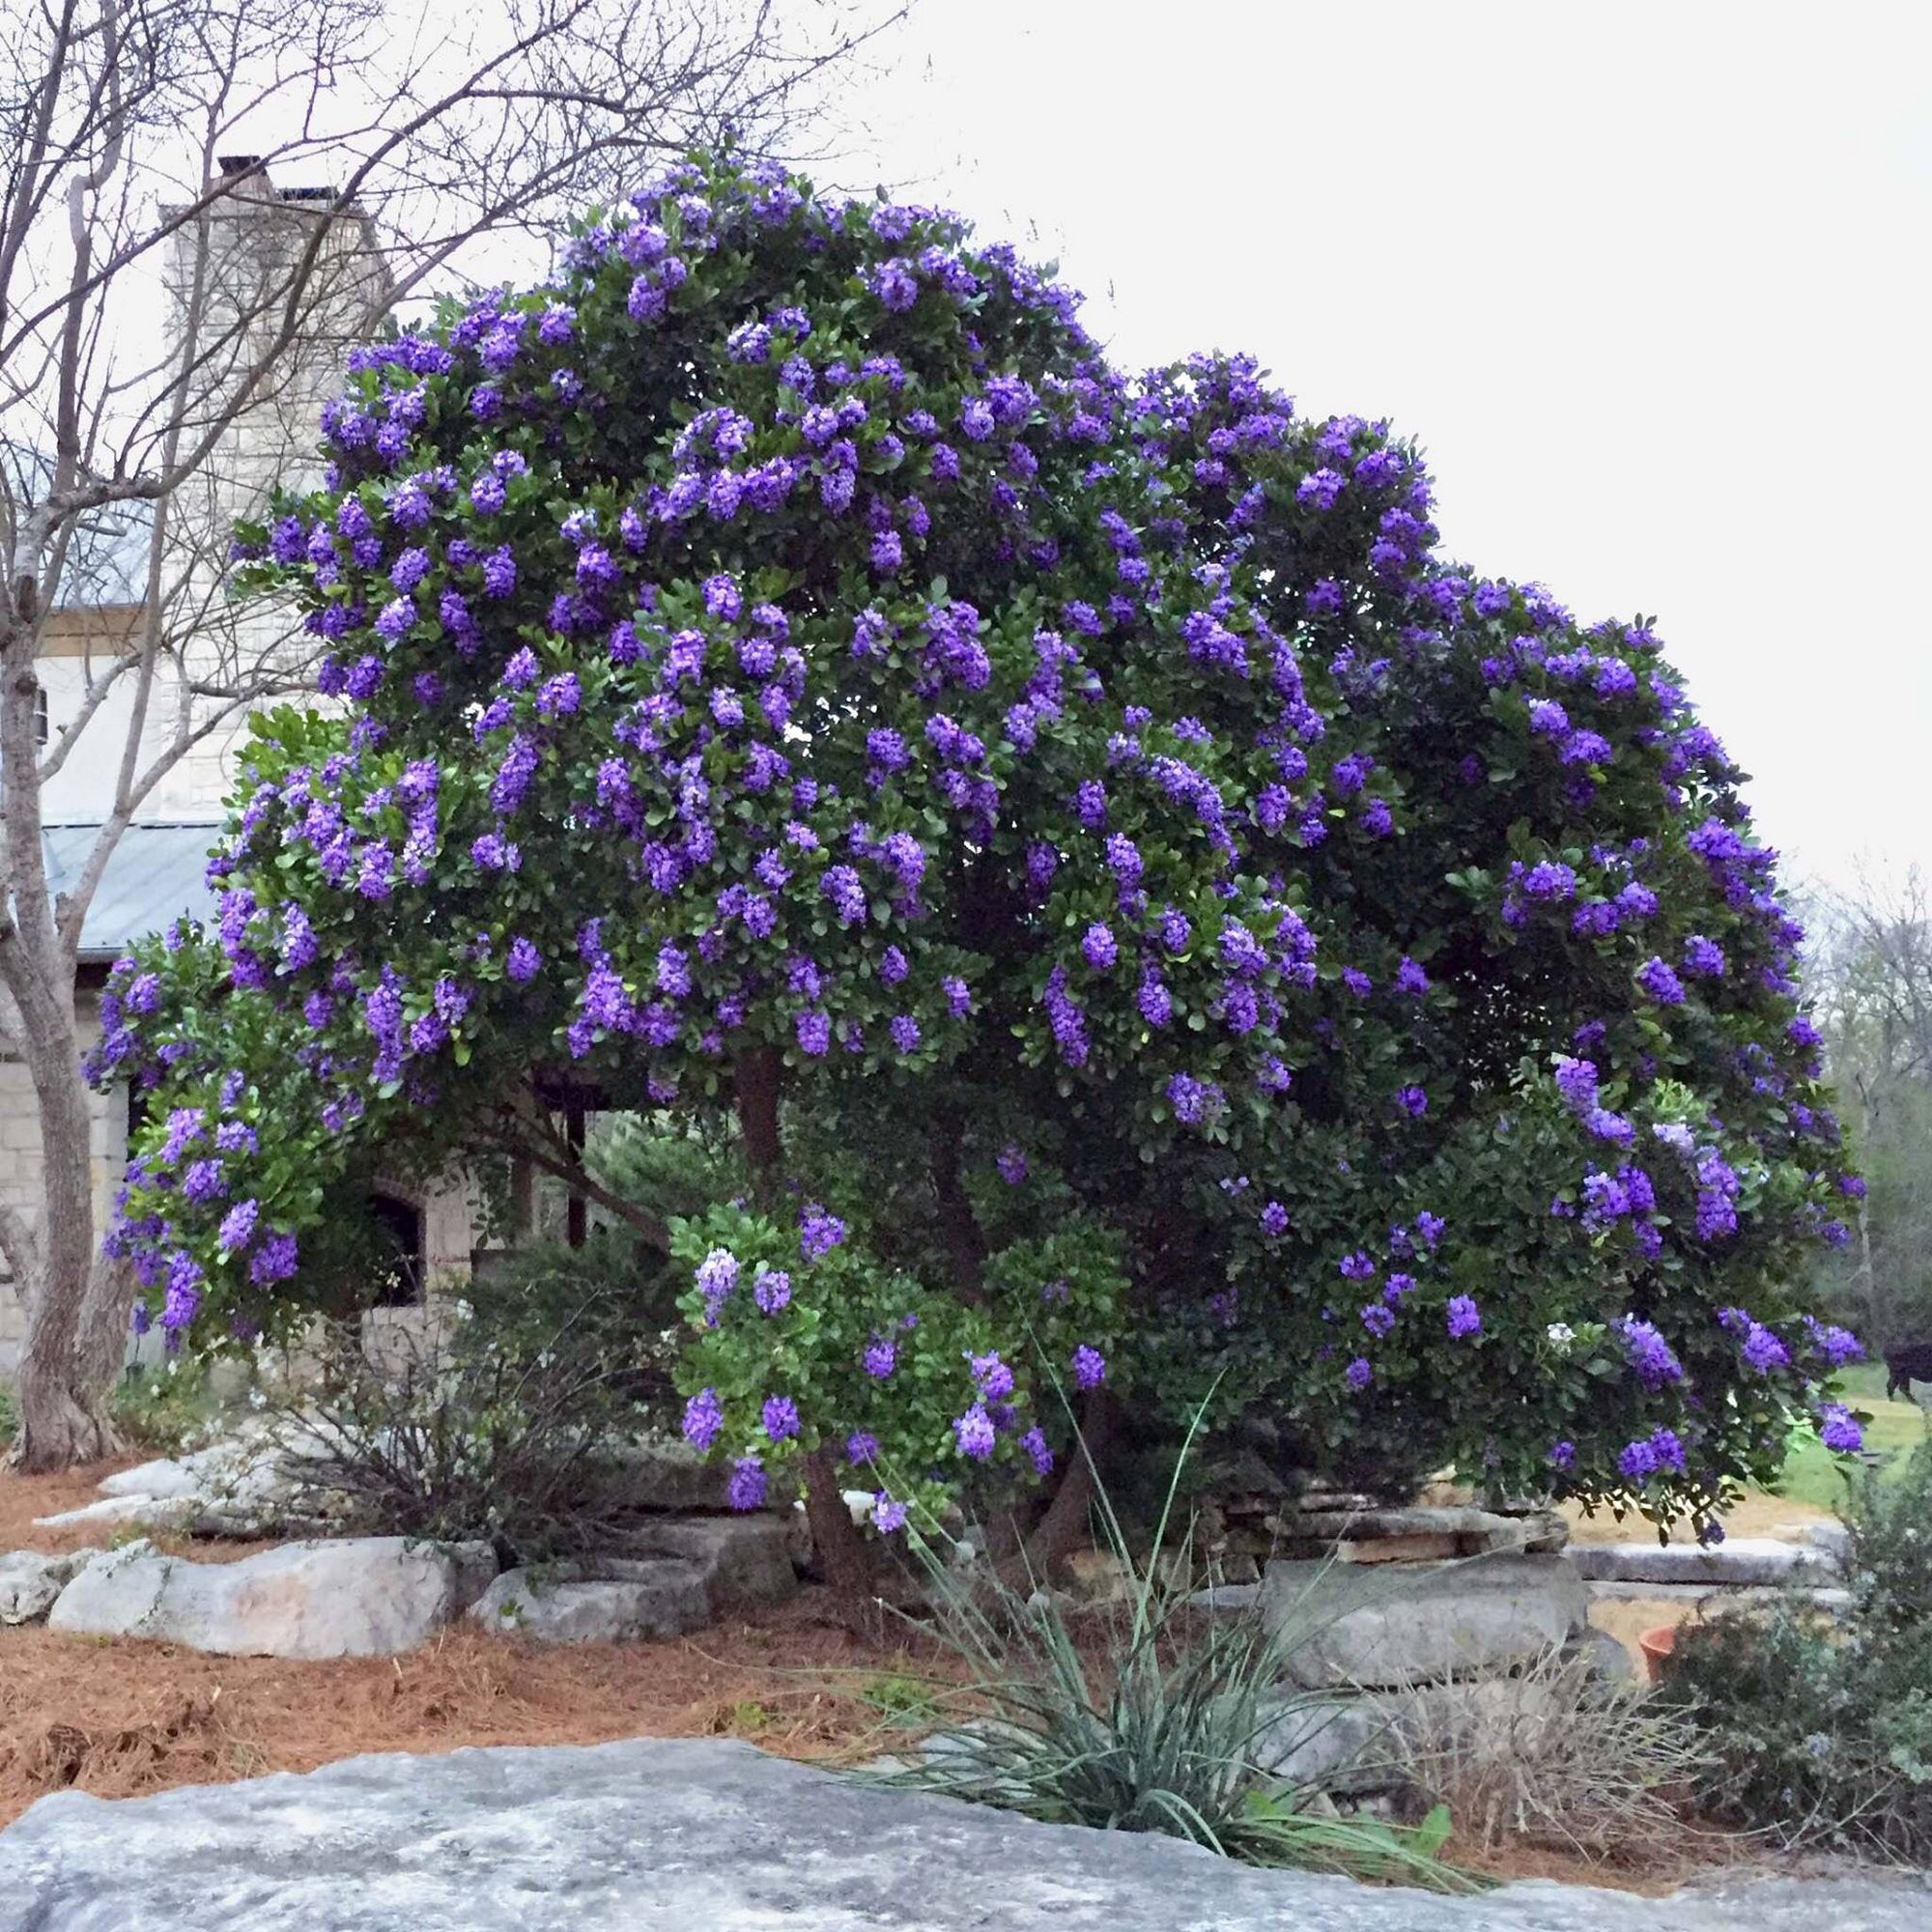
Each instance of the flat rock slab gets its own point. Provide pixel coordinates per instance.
(1716, 1596)
(172, 1512)
(651, 1597)
(1745, 1562)
(706, 1835)
(1389, 1624)
(367, 1596)
(162, 1477)
(1467, 1530)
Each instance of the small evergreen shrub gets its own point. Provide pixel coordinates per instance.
(163, 1406)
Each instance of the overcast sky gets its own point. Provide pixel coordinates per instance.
(1649, 283)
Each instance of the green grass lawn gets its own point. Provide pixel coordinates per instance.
(1814, 1475)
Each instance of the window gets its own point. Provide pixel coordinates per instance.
(40, 727)
(398, 1227)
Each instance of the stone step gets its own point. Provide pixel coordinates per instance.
(744, 1558)
(1755, 1561)
(1394, 1624)
(1711, 1595)
(641, 1596)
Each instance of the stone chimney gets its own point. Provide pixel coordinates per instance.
(230, 274)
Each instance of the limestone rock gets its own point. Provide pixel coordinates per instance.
(1398, 1549)
(1712, 1596)
(1607, 1659)
(360, 1597)
(661, 1597)
(1744, 1562)
(164, 1512)
(1329, 1745)
(1406, 1623)
(30, 1582)
(666, 1474)
(743, 1558)
(1833, 1538)
(242, 1485)
(162, 1477)
(1227, 1600)
(1415, 1532)
(710, 1835)
(1095, 1577)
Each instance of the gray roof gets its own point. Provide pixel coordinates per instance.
(154, 876)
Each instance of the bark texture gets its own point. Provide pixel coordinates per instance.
(1065, 1526)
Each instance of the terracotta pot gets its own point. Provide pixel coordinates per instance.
(1657, 1645)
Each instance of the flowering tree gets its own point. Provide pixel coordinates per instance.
(164, 313)
(1155, 925)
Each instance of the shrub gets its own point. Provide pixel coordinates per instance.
(1132, 895)
(1821, 1729)
(163, 1406)
(500, 1422)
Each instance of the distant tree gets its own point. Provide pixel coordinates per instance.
(1155, 926)
(136, 143)
(1873, 972)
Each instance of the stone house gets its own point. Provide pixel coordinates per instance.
(215, 275)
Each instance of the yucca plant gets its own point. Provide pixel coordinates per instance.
(1158, 1721)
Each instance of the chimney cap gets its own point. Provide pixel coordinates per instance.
(233, 166)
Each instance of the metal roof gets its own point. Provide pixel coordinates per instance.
(154, 875)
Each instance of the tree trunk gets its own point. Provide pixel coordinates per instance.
(759, 1076)
(67, 1368)
(844, 1560)
(1065, 1524)
(965, 1243)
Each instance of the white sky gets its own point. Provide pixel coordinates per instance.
(1649, 282)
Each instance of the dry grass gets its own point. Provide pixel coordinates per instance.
(1551, 1759)
(1755, 1514)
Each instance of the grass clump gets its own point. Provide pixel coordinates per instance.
(1143, 1715)
(1554, 1756)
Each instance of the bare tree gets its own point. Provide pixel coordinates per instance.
(274, 177)
(1872, 966)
